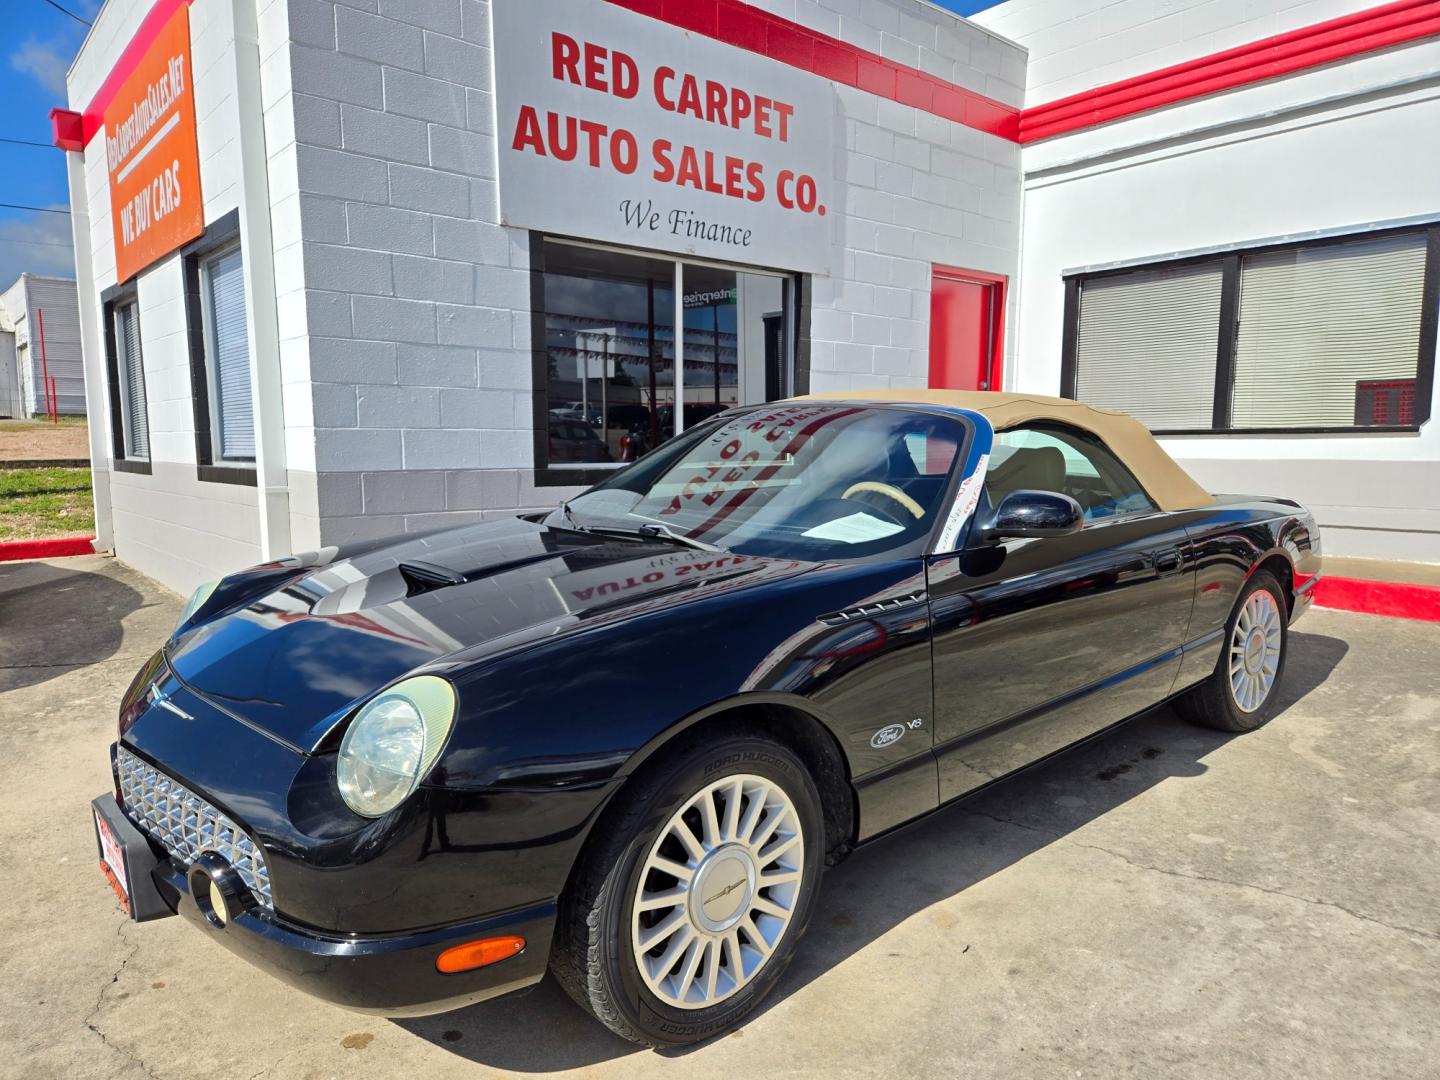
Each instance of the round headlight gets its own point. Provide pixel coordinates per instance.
(196, 601)
(392, 743)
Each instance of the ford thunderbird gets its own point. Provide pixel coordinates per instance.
(621, 740)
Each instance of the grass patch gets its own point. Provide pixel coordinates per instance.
(42, 422)
(38, 503)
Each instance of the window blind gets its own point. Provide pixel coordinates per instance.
(229, 361)
(132, 383)
(1147, 345)
(1320, 326)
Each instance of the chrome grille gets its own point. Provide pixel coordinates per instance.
(186, 825)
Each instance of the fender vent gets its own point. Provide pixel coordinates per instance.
(869, 611)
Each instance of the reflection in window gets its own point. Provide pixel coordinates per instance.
(811, 480)
(734, 340)
(610, 344)
(610, 349)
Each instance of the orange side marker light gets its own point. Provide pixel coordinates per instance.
(477, 954)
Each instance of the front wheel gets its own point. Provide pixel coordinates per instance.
(685, 911)
(1241, 694)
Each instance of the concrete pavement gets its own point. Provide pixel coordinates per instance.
(1163, 902)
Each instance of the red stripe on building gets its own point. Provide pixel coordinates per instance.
(92, 120)
(1284, 54)
(1395, 598)
(736, 23)
(13, 550)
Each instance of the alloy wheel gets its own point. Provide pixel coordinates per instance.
(1255, 651)
(717, 891)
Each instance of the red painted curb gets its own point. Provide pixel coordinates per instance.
(1396, 598)
(56, 548)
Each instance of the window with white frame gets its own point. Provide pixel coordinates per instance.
(1327, 333)
(1147, 344)
(128, 380)
(227, 357)
(1333, 334)
(617, 379)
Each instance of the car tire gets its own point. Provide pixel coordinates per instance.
(733, 923)
(1237, 697)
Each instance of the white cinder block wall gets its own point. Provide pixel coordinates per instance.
(1332, 148)
(1075, 45)
(417, 300)
(919, 190)
(168, 524)
(402, 307)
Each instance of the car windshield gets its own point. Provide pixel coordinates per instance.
(803, 480)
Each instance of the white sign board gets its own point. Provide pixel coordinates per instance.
(615, 126)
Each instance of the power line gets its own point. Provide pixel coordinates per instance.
(27, 142)
(67, 11)
(37, 209)
(34, 243)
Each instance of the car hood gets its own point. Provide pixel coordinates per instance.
(296, 659)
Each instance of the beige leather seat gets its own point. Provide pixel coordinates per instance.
(1040, 468)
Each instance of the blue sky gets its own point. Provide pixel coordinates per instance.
(41, 41)
(967, 7)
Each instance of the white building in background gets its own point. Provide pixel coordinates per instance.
(40, 337)
(1250, 263)
(348, 272)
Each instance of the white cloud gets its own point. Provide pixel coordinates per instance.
(45, 63)
(35, 243)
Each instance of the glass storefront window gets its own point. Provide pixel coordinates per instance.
(611, 349)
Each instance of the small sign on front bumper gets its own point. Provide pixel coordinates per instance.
(112, 861)
(126, 860)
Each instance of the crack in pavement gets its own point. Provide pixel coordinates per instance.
(276, 1063)
(1065, 838)
(134, 947)
(77, 663)
(1397, 928)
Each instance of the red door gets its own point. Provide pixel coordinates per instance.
(967, 320)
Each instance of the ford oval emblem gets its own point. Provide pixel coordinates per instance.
(886, 736)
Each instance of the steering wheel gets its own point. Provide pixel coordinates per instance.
(890, 492)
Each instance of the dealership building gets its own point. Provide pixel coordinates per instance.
(364, 267)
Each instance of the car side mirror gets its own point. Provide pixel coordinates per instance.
(1028, 513)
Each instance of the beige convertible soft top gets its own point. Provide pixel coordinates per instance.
(1164, 481)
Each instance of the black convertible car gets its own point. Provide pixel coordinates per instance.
(622, 739)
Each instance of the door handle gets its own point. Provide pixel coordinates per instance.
(1167, 561)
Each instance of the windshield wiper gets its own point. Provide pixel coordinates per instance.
(649, 532)
(568, 514)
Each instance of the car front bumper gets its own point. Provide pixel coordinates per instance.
(1304, 595)
(387, 974)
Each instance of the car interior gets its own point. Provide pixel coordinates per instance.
(1052, 458)
(885, 502)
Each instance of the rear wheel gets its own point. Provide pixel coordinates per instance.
(1241, 694)
(684, 912)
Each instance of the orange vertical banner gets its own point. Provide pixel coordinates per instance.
(150, 152)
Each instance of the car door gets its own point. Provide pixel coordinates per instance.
(1041, 642)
